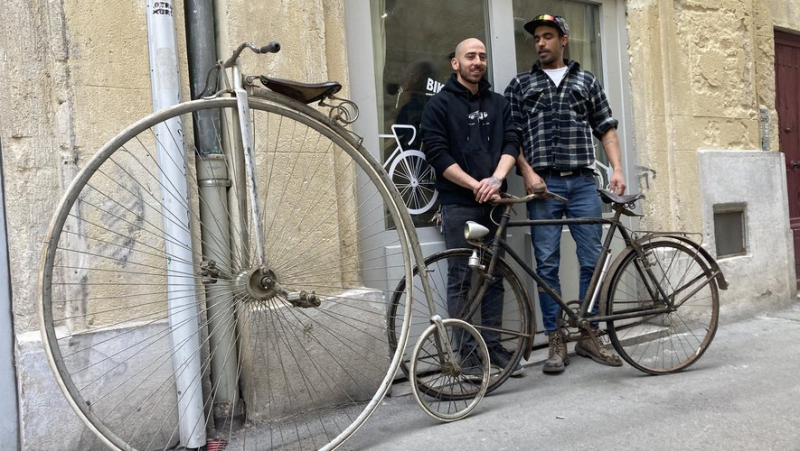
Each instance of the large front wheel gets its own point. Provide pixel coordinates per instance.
(676, 280)
(175, 319)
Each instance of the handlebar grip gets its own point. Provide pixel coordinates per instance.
(272, 47)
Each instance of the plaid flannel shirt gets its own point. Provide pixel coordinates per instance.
(555, 124)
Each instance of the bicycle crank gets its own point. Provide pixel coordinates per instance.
(571, 329)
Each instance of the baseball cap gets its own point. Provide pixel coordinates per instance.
(557, 22)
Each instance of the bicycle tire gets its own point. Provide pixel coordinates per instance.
(668, 342)
(415, 180)
(517, 324)
(455, 396)
(307, 377)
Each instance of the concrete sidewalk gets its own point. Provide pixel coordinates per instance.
(744, 393)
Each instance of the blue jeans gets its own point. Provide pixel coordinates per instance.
(581, 190)
(458, 273)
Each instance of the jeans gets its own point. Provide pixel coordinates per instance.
(581, 191)
(458, 274)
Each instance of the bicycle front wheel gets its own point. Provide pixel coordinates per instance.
(512, 333)
(166, 325)
(667, 275)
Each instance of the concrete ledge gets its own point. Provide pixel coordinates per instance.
(764, 277)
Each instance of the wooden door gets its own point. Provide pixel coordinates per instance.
(787, 103)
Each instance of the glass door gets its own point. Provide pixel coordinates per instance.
(412, 47)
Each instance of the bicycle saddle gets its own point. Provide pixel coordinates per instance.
(609, 197)
(302, 92)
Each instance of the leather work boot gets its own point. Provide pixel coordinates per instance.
(557, 357)
(592, 348)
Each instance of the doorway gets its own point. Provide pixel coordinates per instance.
(787, 97)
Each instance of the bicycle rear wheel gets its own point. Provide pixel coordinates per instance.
(164, 326)
(667, 275)
(517, 318)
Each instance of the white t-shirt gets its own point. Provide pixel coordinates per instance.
(556, 74)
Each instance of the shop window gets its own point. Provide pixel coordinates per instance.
(413, 42)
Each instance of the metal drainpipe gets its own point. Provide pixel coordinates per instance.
(182, 306)
(212, 178)
(9, 402)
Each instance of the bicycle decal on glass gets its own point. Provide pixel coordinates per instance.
(409, 171)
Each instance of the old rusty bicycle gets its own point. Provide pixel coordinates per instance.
(658, 298)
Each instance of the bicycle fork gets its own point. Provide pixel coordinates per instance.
(446, 354)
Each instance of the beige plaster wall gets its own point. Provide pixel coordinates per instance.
(700, 71)
(36, 135)
(77, 73)
(311, 33)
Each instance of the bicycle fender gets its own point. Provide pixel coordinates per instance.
(719, 278)
(712, 262)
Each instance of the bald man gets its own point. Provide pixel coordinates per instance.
(469, 139)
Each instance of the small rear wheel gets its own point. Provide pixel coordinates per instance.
(449, 381)
(676, 284)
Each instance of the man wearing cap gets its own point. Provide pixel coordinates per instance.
(557, 107)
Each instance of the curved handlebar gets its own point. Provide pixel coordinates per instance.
(272, 47)
(540, 192)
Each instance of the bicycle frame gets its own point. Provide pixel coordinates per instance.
(601, 268)
(580, 317)
(241, 154)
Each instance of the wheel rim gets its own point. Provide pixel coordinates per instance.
(102, 245)
(670, 341)
(455, 395)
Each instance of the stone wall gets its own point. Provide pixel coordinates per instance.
(785, 14)
(700, 71)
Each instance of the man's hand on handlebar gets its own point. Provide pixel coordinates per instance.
(533, 182)
(487, 189)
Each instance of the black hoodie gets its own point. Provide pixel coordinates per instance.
(473, 131)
